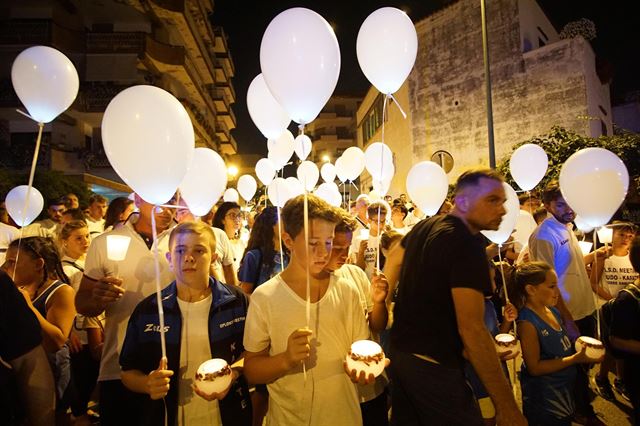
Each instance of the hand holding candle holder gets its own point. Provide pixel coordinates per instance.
(213, 378)
(365, 361)
(594, 348)
(506, 346)
(117, 246)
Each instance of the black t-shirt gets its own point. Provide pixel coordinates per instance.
(625, 320)
(440, 254)
(19, 327)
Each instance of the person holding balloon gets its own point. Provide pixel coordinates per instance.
(204, 319)
(228, 217)
(115, 288)
(549, 373)
(443, 275)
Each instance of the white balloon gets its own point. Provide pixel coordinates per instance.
(342, 170)
(378, 160)
(512, 206)
(374, 195)
(302, 146)
(328, 172)
(308, 174)
(528, 165)
(281, 149)
(354, 162)
(231, 195)
(300, 61)
(582, 225)
(267, 114)
(149, 141)
(594, 182)
(329, 192)
(204, 182)
(387, 45)
(265, 170)
(295, 187)
(427, 185)
(381, 186)
(279, 192)
(15, 201)
(247, 186)
(46, 82)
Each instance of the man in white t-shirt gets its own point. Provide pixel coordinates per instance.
(47, 227)
(115, 288)
(97, 211)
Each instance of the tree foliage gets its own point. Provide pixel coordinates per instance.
(560, 144)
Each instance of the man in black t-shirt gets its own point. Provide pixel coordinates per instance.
(443, 275)
(20, 348)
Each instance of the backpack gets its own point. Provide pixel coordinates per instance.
(607, 313)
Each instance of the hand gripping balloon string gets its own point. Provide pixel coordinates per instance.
(306, 247)
(154, 233)
(404, 114)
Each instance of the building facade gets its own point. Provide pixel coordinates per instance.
(538, 80)
(114, 45)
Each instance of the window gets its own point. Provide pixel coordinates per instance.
(373, 119)
(603, 126)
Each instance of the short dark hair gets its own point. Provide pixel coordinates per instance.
(221, 212)
(540, 214)
(55, 202)
(381, 205)
(97, 198)
(403, 209)
(293, 213)
(551, 192)
(75, 214)
(634, 254)
(347, 223)
(472, 178)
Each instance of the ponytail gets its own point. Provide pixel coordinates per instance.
(530, 273)
(45, 249)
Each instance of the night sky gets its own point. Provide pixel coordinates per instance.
(616, 44)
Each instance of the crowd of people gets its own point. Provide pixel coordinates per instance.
(80, 339)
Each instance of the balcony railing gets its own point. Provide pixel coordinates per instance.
(127, 42)
(94, 97)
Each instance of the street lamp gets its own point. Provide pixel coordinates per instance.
(232, 171)
(326, 158)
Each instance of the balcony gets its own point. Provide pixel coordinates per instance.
(114, 43)
(221, 99)
(94, 97)
(28, 32)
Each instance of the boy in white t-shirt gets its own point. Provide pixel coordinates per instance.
(369, 248)
(279, 344)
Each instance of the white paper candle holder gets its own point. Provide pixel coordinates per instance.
(605, 235)
(595, 348)
(213, 376)
(506, 343)
(585, 247)
(367, 356)
(117, 246)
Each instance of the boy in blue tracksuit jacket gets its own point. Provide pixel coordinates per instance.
(204, 319)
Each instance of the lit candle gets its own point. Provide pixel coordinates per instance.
(117, 246)
(585, 246)
(367, 356)
(506, 343)
(213, 376)
(595, 348)
(605, 235)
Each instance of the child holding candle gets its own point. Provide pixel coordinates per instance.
(549, 371)
(204, 319)
(283, 338)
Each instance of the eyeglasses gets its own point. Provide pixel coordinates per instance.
(234, 216)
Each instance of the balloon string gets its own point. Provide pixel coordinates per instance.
(404, 114)
(306, 244)
(32, 172)
(154, 233)
(595, 269)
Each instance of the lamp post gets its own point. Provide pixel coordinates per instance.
(487, 80)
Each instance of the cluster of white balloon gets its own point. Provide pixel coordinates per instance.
(300, 62)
